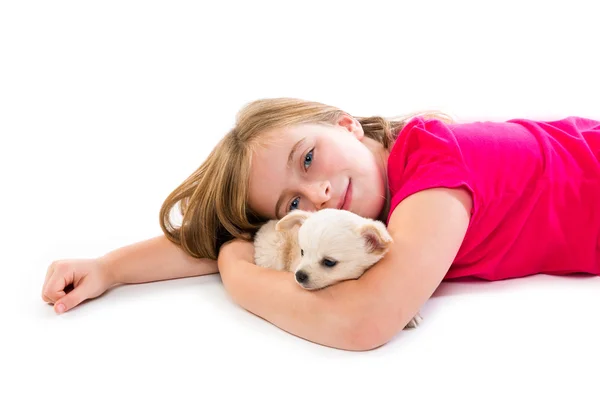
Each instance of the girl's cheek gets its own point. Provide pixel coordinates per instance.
(328, 165)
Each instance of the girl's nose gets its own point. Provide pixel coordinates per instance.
(319, 194)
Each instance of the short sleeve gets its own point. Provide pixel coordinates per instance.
(426, 155)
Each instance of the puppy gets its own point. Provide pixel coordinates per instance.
(322, 248)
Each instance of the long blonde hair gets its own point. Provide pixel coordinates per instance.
(213, 199)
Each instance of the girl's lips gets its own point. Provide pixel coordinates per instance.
(347, 197)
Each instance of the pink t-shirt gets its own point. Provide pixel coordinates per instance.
(535, 188)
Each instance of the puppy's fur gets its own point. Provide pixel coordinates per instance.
(323, 248)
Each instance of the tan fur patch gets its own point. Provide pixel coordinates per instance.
(289, 249)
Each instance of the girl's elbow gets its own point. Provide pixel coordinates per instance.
(369, 335)
(375, 324)
(368, 332)
(344, 327)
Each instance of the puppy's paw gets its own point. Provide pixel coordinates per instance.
(413, 323)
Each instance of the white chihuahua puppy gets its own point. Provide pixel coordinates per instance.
(323, 248)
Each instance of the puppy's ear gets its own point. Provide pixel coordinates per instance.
(295, 218)
(377, 238)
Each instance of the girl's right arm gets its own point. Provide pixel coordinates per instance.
(147, 261)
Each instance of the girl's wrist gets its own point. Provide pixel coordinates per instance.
(107, 271)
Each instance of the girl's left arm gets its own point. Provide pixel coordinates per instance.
(428, 228)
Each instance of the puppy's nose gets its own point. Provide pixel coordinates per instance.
(301, 276)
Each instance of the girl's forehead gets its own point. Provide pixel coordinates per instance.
(294, 129)
(283, 137)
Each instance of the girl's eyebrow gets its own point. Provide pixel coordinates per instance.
(295, 148)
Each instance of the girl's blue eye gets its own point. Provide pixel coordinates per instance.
(308, 159)
(294, 204)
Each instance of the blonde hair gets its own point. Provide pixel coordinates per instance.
(213, 199)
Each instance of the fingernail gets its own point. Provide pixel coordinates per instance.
(61, 308)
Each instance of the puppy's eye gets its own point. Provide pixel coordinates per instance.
(328, 263)
(302, 252)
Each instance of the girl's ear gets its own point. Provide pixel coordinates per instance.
(295, 218)
(352, 125)
(376, 237)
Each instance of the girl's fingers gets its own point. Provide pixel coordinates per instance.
(72, 299)
(48, 274)
(55, 287)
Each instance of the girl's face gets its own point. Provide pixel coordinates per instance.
(311, 166)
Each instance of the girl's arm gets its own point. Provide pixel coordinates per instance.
(154, 259)
(150, 260)
(428, 229)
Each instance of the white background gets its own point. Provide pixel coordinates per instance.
(105, 107)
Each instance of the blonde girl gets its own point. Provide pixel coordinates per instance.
(488, 200)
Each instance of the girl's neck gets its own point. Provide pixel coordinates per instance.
(381, 155)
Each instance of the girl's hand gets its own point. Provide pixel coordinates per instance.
(88, 278)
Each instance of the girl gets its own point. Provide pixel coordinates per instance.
(489, 200)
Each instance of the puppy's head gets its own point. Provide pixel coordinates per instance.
(336, 245)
